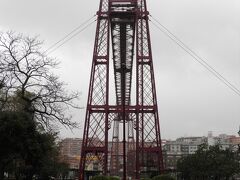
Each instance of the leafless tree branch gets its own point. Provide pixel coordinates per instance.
(26, 81)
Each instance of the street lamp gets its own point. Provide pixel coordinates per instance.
(239, 143)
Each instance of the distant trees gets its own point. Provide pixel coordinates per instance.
(25, 74)
(209, 163)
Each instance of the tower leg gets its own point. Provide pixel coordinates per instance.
(95, 136)
(149, 151)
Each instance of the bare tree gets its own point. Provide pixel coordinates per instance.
(25, 73)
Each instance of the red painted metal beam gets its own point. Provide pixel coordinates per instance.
(126, 23)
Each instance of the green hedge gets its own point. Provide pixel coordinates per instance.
(105, 178)
(114, 178)
(99, 178)
(163, 177)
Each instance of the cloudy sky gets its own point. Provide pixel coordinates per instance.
(191, 100)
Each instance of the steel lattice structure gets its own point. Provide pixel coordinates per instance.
(135, 148)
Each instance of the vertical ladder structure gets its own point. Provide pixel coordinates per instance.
(122, 139)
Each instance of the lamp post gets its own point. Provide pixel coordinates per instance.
(239, 143)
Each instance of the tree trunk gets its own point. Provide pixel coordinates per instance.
(1, 173)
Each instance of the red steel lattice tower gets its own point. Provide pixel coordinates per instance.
(134, 148)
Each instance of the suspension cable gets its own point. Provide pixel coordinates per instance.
(70, 35)
(195, 56)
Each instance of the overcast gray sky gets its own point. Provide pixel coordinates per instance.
(191, 100)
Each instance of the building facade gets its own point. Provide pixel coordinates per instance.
(172, 150)
(70, 150)
(184, 146)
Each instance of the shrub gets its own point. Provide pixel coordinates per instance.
(100, 178)
(163, 177)
(113, 178)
